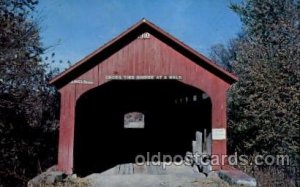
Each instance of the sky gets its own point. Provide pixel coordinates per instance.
(72, 29)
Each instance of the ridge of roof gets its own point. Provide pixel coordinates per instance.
(230, 77)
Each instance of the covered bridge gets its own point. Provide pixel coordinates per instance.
(144, 91)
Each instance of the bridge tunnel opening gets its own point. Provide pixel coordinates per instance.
(117, 121)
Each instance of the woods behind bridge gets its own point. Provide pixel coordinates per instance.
(263, 109)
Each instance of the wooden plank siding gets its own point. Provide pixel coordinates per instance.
(140, 57)
(152, 57)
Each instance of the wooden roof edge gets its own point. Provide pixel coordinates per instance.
(152, 25)
(196, 53)
(88, 57)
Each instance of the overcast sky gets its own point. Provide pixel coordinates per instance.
(75, 28)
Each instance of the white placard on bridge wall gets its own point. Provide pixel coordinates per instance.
(219, 134)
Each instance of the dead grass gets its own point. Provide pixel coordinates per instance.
(68, 182)
(270, 176)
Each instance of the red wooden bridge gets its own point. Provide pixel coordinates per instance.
(145, 70)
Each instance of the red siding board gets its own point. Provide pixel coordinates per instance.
(66, 133)
(141, 57)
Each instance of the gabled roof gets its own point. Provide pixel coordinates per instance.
(129, 35)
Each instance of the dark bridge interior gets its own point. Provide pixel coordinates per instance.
(173, 112)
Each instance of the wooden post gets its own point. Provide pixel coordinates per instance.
(219, 146)
(66, 129)
(199, 144)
